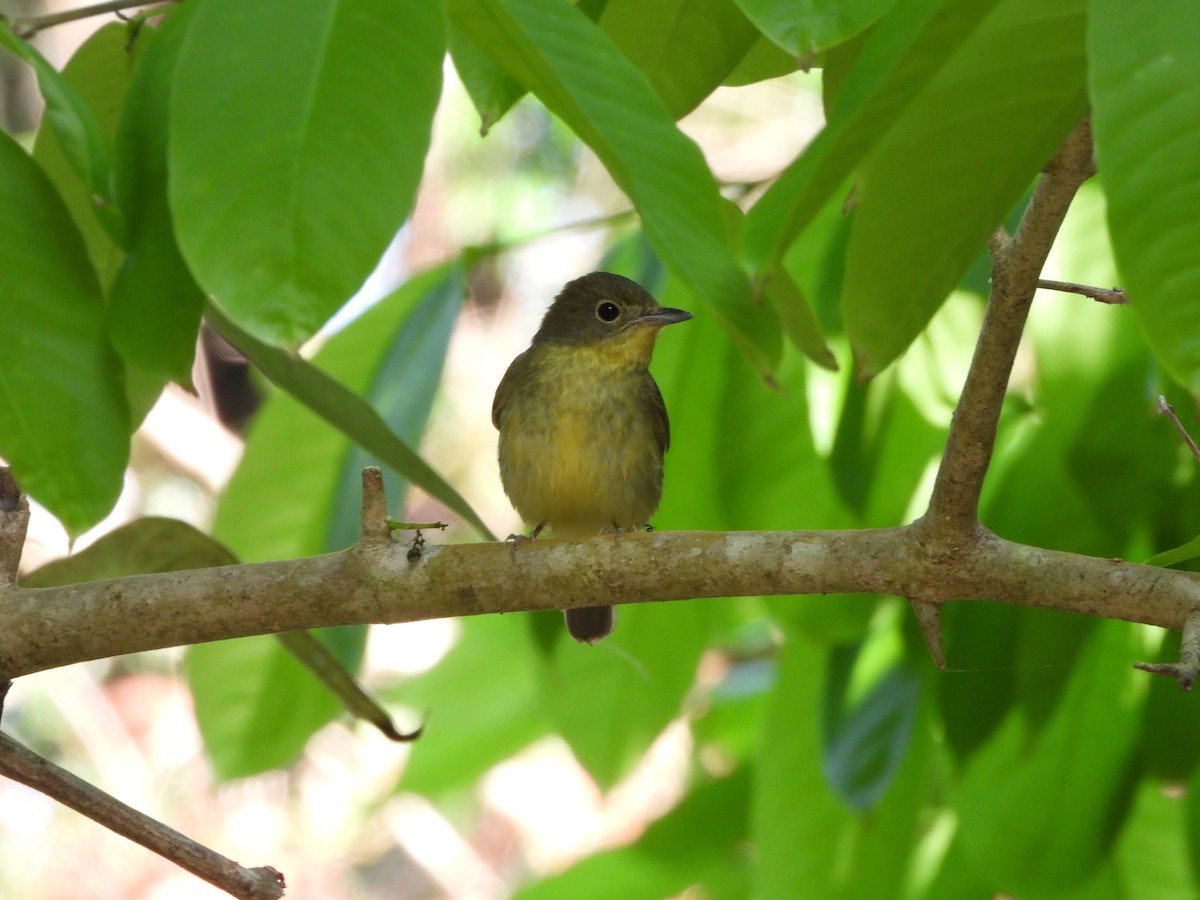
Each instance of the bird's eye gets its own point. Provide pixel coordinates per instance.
(607, 311)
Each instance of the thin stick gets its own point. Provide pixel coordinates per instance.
(1169, 411)
(1016, 266)
(1115, 296)
(23, 765)
(27, 27)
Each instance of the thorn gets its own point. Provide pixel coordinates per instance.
(929, 620)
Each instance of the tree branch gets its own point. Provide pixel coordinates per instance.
(1113, 296)
(21, 764)
(41, 628)
(26, 27)
(953, 514)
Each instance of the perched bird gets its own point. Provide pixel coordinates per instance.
(583, 427)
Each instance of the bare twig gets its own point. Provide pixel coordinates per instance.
(1188, 667)
(1115, 296)
(1169, 411)
(27, 27)
(1016, 265)
(21, 764)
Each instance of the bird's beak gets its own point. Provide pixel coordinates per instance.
(665, 316)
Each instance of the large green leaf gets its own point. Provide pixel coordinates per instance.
(1145, 86)
(154, 304)
(298, 135)
(686, 48)
(1002, 103)
(574, 69)
(64, 424)
(902, 53)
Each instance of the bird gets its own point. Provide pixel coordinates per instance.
(583, 426)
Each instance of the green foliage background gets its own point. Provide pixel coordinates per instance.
(265, 154)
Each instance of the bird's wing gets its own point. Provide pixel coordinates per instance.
(504, 391)
(661, 424)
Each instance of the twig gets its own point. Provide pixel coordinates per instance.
(1169, 411)
(1115, 296)
(27, 27)
(1188, 667)
(1016, 265)
(23, 765)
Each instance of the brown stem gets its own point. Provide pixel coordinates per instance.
(1114, 296)
(23, 765)
(953, 515)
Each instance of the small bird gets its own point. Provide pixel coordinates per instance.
(583, 427)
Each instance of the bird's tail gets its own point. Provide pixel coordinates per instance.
(589, 624)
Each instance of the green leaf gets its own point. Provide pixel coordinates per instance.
(347, 412)
(1073, 772)
(611, 701)
(293, 161)
(490, 88)
(799, 321)
(79, 133)
(271, 511)
(865, 745)
(155, 304)
(901, 54)
(764, 60)
(1002, 104)
(686, 48)
(1145, 89)
(796, 853)
(482, 702)
(98, 72)
(255, 703)
(145, 545)
(64, 425)
(697, 848)
(572, 67)
(811, 25)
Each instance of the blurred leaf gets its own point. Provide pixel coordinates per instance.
(1151, 854)
(98, 72)
(686, 48)
(673, 857)
(64, 425)
(145, 545)
(611, 701)
(273, 511)
(293, 161)
(403, 390)
(1170, 732)
(556, 52)
(811, 25)
(1145, 88)
(155, 304)
(347, 412)
(80, 136)
(255, 703)
(902, 53)
(796, 852)
(864, 745)
(1074, 773)
(1002, 103)
(481, 704)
